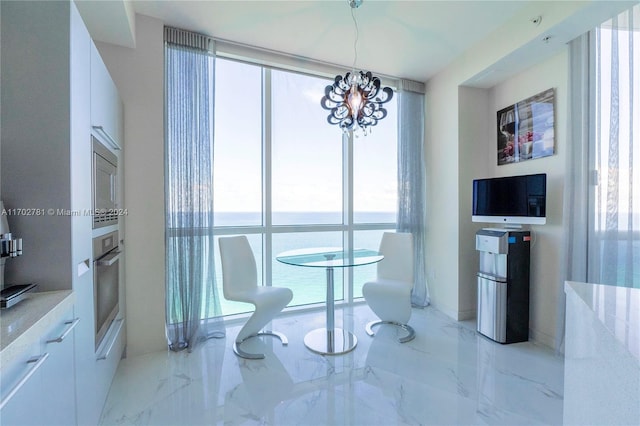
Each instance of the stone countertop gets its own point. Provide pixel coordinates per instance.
(617, 308)
(602, 355)
(26, 323)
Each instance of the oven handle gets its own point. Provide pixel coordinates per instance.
(109, 259)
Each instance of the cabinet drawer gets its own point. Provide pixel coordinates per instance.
(108, 358)
(44, 375)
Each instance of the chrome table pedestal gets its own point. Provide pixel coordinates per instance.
(330, 340)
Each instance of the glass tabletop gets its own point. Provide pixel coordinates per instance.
(329, 257)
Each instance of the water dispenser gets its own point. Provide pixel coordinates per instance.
(503, 284)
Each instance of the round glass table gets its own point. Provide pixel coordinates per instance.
(330, 340)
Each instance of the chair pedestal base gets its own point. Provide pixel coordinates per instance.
(247, 355)
(411, 332)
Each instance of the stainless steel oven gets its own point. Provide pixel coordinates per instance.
(106, 283)
(105, 186)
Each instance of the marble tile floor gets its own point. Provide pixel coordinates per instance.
(447, 375)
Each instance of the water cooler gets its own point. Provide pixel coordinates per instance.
(503, 284)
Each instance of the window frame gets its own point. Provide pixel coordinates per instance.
(267, 229)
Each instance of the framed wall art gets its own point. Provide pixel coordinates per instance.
(526, 129)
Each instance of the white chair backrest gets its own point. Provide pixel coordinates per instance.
(239, 272)
(397, 248)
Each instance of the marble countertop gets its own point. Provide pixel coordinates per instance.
(617, 308)
(25, 323)
(602, 355)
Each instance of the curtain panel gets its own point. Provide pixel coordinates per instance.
(412, 180)
(614, 246)
(602, 187)
(192, 302)
(576, 187)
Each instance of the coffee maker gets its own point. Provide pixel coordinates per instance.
(9, 247)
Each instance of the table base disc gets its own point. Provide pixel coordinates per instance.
(334, 342)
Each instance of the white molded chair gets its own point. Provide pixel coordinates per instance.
(240, 284)
(389, 295)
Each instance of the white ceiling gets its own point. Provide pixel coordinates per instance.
(406, 39)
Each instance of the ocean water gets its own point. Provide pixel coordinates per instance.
(308, 284)
(299, 218)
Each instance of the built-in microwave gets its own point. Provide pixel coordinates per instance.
(105, 185)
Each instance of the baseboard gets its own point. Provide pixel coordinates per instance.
(456, 315)
(534, 335)
(542, 338)
(466, 315)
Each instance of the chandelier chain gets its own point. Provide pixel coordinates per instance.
(355, 42)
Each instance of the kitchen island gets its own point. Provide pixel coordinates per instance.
(602, 354)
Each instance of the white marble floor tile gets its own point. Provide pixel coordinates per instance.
(447, 375)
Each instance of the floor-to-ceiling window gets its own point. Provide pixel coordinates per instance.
(614, 238)
(287, 179)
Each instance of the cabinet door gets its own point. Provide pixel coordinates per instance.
(105, 102)
(58, 380)
(41, 389)
(22, 392)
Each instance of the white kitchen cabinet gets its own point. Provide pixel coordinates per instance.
(58, 391)
(54, 90)
(19, 410)
(21, 386)
(106, 109)
(39, 387)
(108, 357)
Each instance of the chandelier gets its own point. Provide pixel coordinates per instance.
(355, 100)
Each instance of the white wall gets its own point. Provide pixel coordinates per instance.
(441, 162)
(451, 156)
(474, 161)
(139, 75)
(36, 134)
(460, 123)
(547, 242)
(477, 159)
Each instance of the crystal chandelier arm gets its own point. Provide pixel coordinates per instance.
(388, 95)
(331, 99)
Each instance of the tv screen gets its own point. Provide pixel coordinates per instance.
(513, 199)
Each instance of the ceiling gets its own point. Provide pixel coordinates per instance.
(400, 39)
(406, 39)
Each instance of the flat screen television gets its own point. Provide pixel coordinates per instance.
(514, 200)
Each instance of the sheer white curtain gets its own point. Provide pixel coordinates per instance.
(192, 302)
(614, 246)
(602, 188)
(412, 180)
(576, 192)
